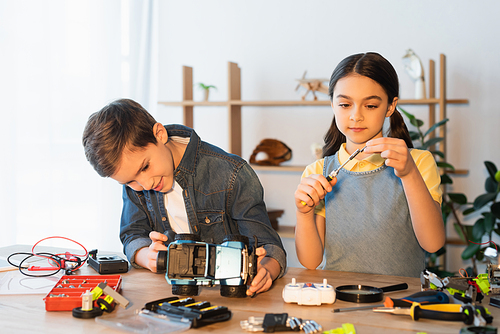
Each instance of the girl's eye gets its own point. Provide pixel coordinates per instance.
(145, 168)
(371, 106)
(343, 105)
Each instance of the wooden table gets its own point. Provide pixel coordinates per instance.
(26, 313)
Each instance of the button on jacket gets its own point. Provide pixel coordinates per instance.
(222, 194)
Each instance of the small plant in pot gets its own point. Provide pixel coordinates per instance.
(206, 89)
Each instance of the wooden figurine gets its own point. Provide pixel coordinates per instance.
(312, 85)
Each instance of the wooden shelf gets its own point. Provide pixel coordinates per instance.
(278, 168)
(437, 107)
(297, 103)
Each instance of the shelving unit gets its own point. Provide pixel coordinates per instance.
(234, 104)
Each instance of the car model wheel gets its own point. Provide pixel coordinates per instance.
(233, 291)
(185, 290)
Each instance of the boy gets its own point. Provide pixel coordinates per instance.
(173, 181)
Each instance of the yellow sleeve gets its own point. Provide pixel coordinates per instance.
(430, 173)
(316, 168)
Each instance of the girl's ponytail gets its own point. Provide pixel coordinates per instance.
(333, 140)
(398, 128)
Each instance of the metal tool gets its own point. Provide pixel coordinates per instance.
(423, 297)
(335, 172)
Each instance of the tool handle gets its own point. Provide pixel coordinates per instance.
(422, 297)
(402, 286)
(419, 313)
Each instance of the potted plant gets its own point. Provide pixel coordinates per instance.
(471, 235)
(206, 89)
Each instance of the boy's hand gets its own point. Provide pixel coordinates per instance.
(395, 152)
(311, 190)
(157, 244)
(263, 280)
(146, 257)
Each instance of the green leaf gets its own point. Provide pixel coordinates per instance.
(414, 135)
(438, 153)
(407, 114)
(458, 198)
(431, 142)
(492, 169)
(480, 254)
(483, 199)
(416, 122)
(478, 229)
(495, 209)
(459, 232)
(470, 251)
(441, 251)
(489, 223)
(445, 165)
(468, 211)
(436, 125)
(446, 179)
(490, 185)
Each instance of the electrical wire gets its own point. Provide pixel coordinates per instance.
(67, 261)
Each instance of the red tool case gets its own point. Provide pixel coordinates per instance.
(73, 286)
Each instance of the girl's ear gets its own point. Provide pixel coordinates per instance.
(392, 107)
(160, 133)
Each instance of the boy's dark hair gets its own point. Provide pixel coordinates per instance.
(379, 69)
(121, 124)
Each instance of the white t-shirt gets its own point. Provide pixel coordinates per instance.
(174, 202)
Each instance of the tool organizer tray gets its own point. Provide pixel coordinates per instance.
(67, 293)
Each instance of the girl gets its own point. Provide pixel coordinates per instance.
(382, 211)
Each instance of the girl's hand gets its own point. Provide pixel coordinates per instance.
(395, 152)
(311, 190)
(263, 280)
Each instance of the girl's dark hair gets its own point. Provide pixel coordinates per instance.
(121, 124)
(377, 68)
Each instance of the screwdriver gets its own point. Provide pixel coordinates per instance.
(335, 172)
(422, 297)
(448, 312)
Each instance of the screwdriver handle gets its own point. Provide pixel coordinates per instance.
(422, 297)
(417, 312)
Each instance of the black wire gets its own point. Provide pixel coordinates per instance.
(50, 257)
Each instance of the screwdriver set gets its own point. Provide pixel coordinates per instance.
(67, 293)
(187, 309)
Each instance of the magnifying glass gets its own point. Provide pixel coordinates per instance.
(365, 293)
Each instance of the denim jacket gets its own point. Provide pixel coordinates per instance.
(222, 193)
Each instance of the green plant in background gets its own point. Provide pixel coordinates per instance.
(206, 89)
(471, 235)
(487, 224)
(424, 141)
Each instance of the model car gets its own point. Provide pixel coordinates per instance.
(190, 263)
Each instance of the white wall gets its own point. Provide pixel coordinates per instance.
(274, 42)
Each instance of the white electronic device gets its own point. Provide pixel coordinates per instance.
(309, 293)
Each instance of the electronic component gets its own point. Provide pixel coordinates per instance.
(309, 293)
(110, 264)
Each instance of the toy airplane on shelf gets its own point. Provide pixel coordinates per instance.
(312, 85)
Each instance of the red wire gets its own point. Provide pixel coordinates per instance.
(484, 243)
(54, 237)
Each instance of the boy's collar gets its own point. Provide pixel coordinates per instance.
(189, 159)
